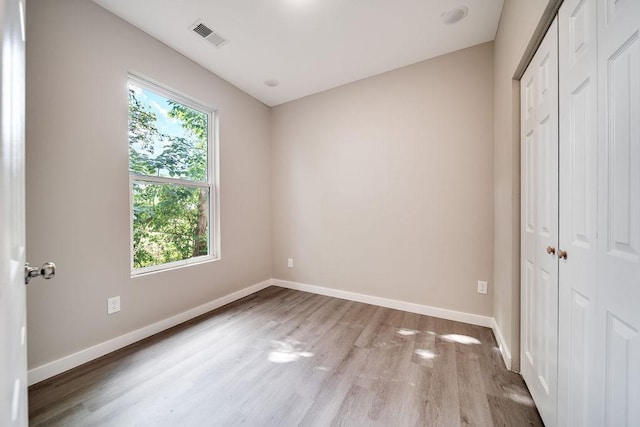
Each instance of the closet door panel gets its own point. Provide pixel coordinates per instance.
(529, 155)
(578, 206)
(539, 273)
(622, 139)
(618, 316)
(546, 286)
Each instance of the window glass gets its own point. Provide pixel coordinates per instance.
(170, 179)
(166, 138)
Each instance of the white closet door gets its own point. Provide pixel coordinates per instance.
(539, 269)
(577, 43)
(618, 289)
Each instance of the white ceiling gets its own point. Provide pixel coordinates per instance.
(309, 45)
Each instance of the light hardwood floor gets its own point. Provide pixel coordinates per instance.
(286, 358)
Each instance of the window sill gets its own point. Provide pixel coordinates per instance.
(145, 271)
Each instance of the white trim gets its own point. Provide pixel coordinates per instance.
(63, 364)
(212, 182)
(168, 92)
(167, 266)
(152, 179)
(502, 344)
(443, 313)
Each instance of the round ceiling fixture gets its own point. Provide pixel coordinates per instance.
(272, 83)
(455, 15)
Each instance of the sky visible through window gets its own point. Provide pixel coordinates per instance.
(160, 106)
(169, 128)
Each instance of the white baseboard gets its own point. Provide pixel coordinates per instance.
(48, 370)
(442, 313)
(56, 367)
(502, 344)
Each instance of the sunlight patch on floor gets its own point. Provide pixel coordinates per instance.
(425, 354)
(407, 332)
(460, 339)
(519, 396)
(287, 351)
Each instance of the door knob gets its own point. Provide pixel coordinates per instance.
(551, 250)
(47, 271)
(562, 254)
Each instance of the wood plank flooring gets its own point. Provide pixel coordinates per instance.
(287, 358)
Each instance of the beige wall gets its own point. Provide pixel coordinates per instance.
(395, 186)
(78, 56)
(385, 186)
(517, 24)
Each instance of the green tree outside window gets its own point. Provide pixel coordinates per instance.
(168, 163)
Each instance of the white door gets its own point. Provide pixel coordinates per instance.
(578, 206)
(617, 332)
(13, 368)
(539, 267)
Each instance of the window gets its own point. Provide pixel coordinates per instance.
(171, 178)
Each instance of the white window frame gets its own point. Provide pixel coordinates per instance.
(212, 182)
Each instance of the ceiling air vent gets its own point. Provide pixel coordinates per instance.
(208, 34)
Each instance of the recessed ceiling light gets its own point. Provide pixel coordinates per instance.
(272, 83)
(455, 15)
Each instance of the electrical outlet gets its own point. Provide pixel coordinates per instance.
(482, 287)
(290, 262)
(113, 305)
